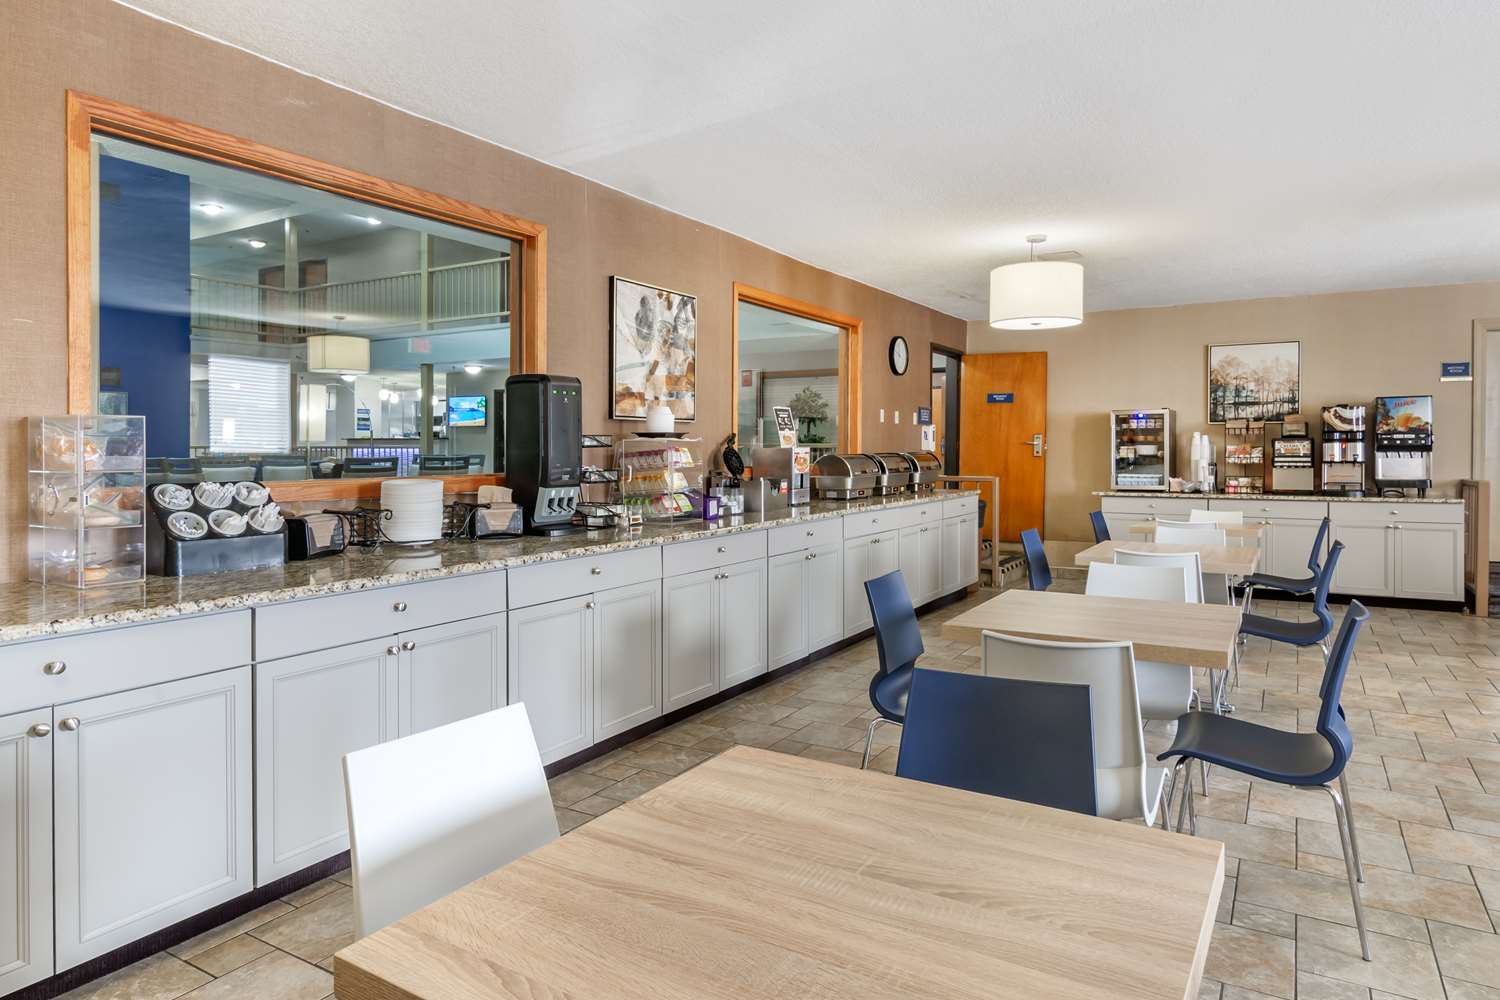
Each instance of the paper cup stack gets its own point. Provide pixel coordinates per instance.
(416, 507)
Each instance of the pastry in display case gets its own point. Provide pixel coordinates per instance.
(86, 483)
(660, 477)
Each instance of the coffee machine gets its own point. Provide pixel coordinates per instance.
(1403, 444)
(783, 478)
(544, 449)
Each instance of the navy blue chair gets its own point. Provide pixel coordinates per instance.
(1308, 760)
(898, 640)
(1101, 526)
(1037, 569)
(1297, 586)
(1301, 633)
(1018, 739)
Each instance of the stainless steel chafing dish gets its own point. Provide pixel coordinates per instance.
(926, 468)
(895, 473)
(845, 477)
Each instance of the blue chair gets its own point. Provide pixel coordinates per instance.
(1300, 633)
(1307, 760)
(898, 640)
(1037, 569)
(1018, 739)
(1101, 526)
(1297, 586)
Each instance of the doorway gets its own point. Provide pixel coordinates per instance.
(947, 374)
(1003, 424)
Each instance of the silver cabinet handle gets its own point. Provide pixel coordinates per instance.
(392, 650)
(408, 645)
(589, 605)
(1396, 526)
(40, 729)
(723, 549)
(1395, 512)
(68, 725)
(812, 555)
(54, 667)
(874, 520)
(1265, 508)
(809, 532)
(399, 606)
(874, 541)
(596, 571)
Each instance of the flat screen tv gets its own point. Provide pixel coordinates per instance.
(467, 411)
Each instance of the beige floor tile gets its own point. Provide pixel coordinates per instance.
(225, 958)
(1473, 812)
(1317, 895)
(637, 784)
(1311, 987)
(1276, 847)
(1430, 898)
(1386, 850)
(315, 931)
(575, 785)
(666, 759)
(1467, 955)
(1489, 886)
(1252, 959)
(595, 805)
(570, 819)
(160, 977)
(218, 935)
(826, 734)
(276, 976)
(1396, 964)
(757, 734)
(1424, 777)
(308, 893)
(1458, 990)
(1264, 919)
(1452, 845)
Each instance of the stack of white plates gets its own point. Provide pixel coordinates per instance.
(416, 507)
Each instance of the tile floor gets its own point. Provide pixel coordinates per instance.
(1423, 700)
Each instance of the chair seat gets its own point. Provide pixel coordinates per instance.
(1298, 633)
(1259, 751)
(888, 693)
(1288, 584)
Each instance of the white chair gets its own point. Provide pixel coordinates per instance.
(1220, 517)
(1165, 689)
(1215, 585)
(1125, 785)
(1188, 564)
(432, 812)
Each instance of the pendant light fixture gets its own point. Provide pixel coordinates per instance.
(1036, 294)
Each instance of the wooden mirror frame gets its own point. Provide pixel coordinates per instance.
(88, 114)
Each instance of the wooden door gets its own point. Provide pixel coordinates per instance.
(450, 672)
(1003, 411)
(25, 849)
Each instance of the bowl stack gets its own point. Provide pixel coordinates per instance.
(416, 507)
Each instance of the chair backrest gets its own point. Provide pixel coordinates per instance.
(1220, 517)
(368, 468)
(1149, 583)
(898, 638)
(1030, 740)
(1331, 725)
(284, 467)
(213, 472)
(1101, 526)
(1189, 564)
(1172, 533)
(1325, 580)
(1108, 668)
(1037, 569)
(432, 812)
(443, 463)
(1317, 549)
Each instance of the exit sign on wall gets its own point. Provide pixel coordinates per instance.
(1000, 397)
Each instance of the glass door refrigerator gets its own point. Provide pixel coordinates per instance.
(1140, 449)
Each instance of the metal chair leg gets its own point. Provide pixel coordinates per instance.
(1359, 866)
(870, 738)
(1342, 818)
(1185, 780)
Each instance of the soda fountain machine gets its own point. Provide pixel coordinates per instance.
(1403, 444)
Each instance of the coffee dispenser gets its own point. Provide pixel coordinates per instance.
(544, 449)
(783, 478)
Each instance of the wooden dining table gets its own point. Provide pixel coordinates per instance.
(1230, 560)
(760, 874)
(1192, 635)
(1246, 530)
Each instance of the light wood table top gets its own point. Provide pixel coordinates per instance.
(759, 874)
(1148, 528)
(1233, 560)
(1195, 635)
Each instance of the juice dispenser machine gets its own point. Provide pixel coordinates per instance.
(1403, 444)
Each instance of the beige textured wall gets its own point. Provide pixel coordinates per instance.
(1355, 346)
(593, 232)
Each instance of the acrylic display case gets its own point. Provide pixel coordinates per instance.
(86, 490)
(662, 478)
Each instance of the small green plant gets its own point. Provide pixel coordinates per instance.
(809, 407)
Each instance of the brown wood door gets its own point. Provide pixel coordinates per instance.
(1003, 427)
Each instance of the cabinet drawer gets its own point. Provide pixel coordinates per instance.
(795, 537)
(97, 663)
(875, 521)
(704, 553)
(1395, 511)
(531, 585)
(959, 506)
(1158, 506)
(1258, 509)
(325, 622)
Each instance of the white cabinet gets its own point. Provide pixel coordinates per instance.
(1286, 545)
(25, 849)
(866, 558)
(960, 553)
(449, 672)
(825, 596)
(741, 622)
(690, 669)
(805, 602)
(550, 659)
(152, 809)
(627, 657)
(1409, 550)
(1429, 561)
(922, 561)
(310, 710)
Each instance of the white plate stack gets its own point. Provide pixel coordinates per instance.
(416, 507)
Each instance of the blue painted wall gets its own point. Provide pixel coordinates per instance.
(144, 318)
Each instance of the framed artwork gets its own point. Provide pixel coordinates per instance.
(1254, 381)
(653, 351)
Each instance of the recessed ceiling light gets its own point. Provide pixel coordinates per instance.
(210, 208)
(473, 369)
(257, 244)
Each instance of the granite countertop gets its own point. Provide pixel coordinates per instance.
(30, 611)
(1273, 496)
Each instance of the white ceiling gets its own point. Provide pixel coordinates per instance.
(1192, 150)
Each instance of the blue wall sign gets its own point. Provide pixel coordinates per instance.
(924, 414)
(1457, 371)
(1000, 397)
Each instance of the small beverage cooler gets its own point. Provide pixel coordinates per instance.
(1140, 449)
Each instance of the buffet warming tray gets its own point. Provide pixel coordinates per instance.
(896, 470)
(845, 477)
(927, 469)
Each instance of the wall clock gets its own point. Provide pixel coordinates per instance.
(900, 355)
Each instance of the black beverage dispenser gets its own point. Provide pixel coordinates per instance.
(544, 449)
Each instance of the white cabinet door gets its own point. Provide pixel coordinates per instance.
(550, 664)
(909, 548)
(824, 587)
(1286, 544)
(1429, 561)
(741, 622)
(1119, 525)
(1367, 564)
(787, 607)
(25, 849)
(627, 657)
(310, 710)
(930, 563)
(153, 820)
(450, 672)
(689, 643)
(968, 549)
(856, 572)
(885, 554)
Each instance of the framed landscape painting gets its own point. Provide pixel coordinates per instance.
(1254, 381)
(653, 350)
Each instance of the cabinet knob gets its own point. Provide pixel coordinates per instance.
(1265, 508)
(68, 725)
(399, 606)
(54, 667)
(596, 571)
(1396, 526)
(812, 555)
(723, 549)
(874, 520)
(40, 729)
(392, 650)
(809, 532)
(408, 645)
(874, 541)
(589, 605)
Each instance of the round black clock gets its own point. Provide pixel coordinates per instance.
(900, 355)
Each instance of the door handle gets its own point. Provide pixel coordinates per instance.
(1037, 445)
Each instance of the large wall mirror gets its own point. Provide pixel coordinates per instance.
(282, 331)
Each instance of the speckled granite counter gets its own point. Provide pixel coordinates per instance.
(1150, 494)
(29, 611)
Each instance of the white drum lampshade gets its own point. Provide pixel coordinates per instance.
(338, 354)
(1036, 295)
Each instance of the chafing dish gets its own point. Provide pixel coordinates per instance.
(845, 477)
(926, 469)
(895, 473)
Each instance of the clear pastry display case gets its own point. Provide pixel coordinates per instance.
(662, 478)
(86, 490)
(1140, 449)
